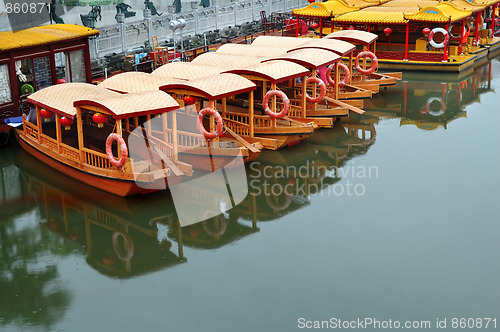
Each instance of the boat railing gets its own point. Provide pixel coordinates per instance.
(186, 139)
(295, 109)
(239, 128)
(31, 129)
(97, 159)
(244, 120)
(48, 142)
(164, 147)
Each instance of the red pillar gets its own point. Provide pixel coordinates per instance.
(407, 41)
(445, 54)
(321, 27)
(494, 8)
(460, 49)
(476, 32)
(297, 29)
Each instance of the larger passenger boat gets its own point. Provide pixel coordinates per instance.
(414, 35)
(85, 151)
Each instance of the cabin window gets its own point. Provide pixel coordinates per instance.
(71, 66)
(5, 96)
(33, 74)
(43, 75)
(77, 66)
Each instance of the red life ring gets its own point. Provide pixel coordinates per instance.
(322, 92)
(286, 104)
(347, 76)
(374, 62)
(218, 120)
(445, 40)
(123, 147)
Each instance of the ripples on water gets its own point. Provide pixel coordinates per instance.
(391, 215)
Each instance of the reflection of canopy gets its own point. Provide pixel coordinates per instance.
(63, 98)
(353, 36)
(214, 87)
(273, 71)
(310, 58)
(136, 81)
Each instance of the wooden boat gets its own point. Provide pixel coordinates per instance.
(242, 119)
(180, 131)
(373, 80)
(312, 58)
(342, 48)
(84, 150)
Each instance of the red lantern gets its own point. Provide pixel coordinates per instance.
(387, 31)
(66, 123)
(99, 119)
(314, 26)
(311, 1)
(61, 81)
(426, 31)
(189, 100)
(351, 28)
(46, 115)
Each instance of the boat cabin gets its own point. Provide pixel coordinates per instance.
(38, 57)
(74, 125)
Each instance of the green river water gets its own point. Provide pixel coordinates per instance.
(392, 216)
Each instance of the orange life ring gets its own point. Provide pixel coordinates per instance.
(347, 76)
(286, 104)
(123, 147)
(374, 62)
(218, 120)
(322, 92)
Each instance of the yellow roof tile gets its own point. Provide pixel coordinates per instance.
(325, 9)
(367, 16)
(442, 12)
(365, 3)
(47, 34)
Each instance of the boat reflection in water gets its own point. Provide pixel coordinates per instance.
(32, 291)
(431, 104)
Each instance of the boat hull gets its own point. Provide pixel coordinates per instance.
(120, 187)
